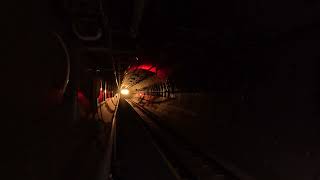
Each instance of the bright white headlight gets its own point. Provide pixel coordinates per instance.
(124, 91)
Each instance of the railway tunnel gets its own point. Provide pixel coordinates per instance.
(138, 89)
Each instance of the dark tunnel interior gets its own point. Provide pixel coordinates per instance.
(161, 89)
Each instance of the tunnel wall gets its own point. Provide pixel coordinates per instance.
(262, 112)
(191, 114)
(107, 108)
(266, 126)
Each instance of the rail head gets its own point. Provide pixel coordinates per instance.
(107, 160)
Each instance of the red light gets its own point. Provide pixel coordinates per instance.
(147, 67)
(140, 94)
(162, 73)
(100, 89)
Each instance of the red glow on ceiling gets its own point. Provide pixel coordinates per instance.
(160, 72)
(147, 67)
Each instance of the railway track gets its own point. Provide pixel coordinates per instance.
(188, 161)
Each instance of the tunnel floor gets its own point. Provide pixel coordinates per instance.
(137, 157)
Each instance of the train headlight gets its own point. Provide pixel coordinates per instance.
(124, 91)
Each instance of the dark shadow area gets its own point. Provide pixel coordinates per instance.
(239, 80)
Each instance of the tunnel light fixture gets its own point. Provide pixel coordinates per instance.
(124, 91)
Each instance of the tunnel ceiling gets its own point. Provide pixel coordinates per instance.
(140, 76)
(135, 78)
(148, 30)
(221, 42)
(138, 27)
